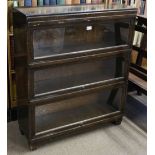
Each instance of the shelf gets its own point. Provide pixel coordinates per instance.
(11, 34)
(69, 9)
(49, 51)
(140, 83)
(12, 71)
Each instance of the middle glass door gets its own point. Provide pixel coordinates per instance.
(71, 74)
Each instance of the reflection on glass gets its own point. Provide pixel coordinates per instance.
(47, 41)
(72, 38)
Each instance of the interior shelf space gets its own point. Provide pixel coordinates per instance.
(72, 110)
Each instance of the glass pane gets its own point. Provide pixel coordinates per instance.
(79, 73)
(76, 109)
(71, 38)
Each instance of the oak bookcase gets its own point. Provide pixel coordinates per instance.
(71, 66)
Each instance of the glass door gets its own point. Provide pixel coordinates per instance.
(78, 110)
(70, 38)
(53, 79)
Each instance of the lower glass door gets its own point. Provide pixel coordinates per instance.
(62, 113)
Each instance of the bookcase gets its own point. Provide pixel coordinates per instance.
(138, 68)
(71, 66)
(10, 61)
(138, 65)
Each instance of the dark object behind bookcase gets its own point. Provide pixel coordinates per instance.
(138, 75)
(71, 68)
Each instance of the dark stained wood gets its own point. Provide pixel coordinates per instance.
(72, 69)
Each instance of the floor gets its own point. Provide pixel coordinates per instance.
(136, 109)
(129, 138)
(124, 139)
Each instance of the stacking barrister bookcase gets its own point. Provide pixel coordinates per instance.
(71, 67)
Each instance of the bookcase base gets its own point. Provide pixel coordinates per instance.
(43, 139)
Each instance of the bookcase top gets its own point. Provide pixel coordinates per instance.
(47, 10)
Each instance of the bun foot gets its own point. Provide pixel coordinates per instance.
(32, 147)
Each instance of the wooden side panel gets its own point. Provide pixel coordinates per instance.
(20, 58)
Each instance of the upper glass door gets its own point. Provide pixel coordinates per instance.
(70, 38)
